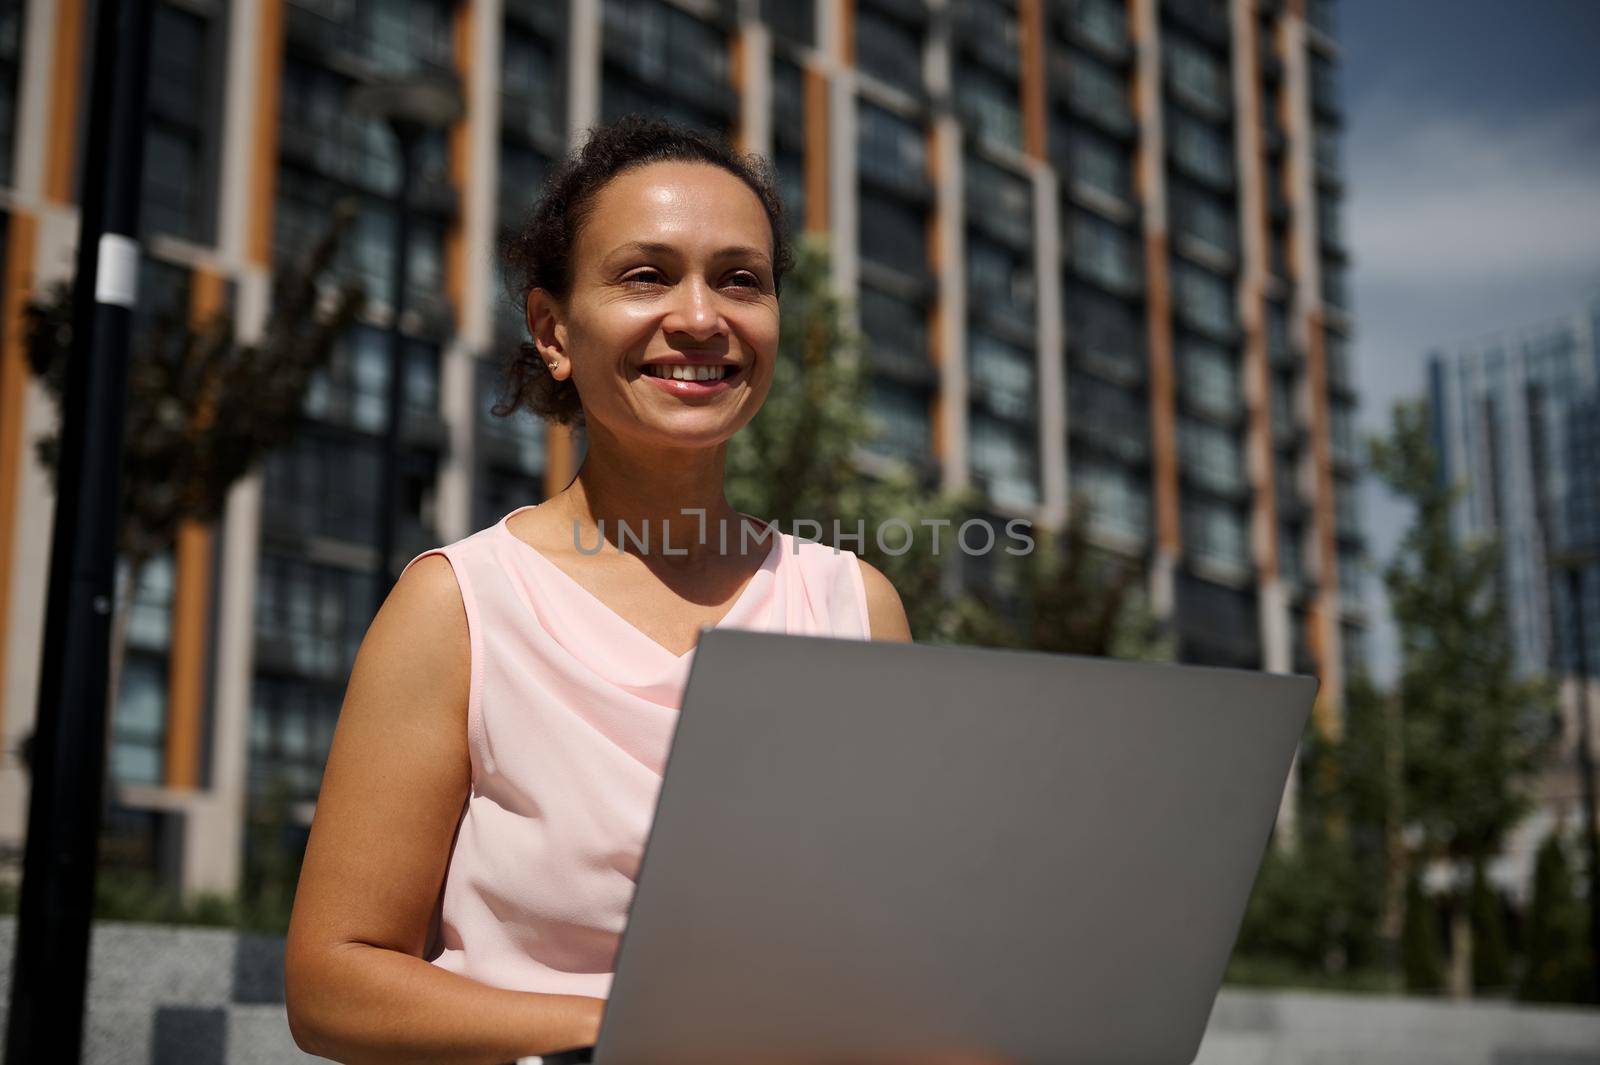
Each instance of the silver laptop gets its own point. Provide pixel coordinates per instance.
(875, 852)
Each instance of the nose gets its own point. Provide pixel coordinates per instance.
(694, 310)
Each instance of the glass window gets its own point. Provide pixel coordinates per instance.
(1003, 199)
(1206, 218)
(901, 416)
(1337, 349)
(310, 617)
(321, 486)
(682, 59)
(1335, 291)
(792, 20)
(1351, 570)
(1281, 408)
(1330, 218)
(1277, 331)
(1105, 22)
(1200, 148)
(352, 388)
(531, 75)
(1324, 81)
(989, 105)
(404, 34)
(990, 31)
(1101, 165)
(522, 174)
(896, 330)
(1105, 252)
(10, 62)
(888, 48)
(893, 233)
(893, 150)
(1118, 500)
(1004, 456)
(1002, 374)
(149, 622)
(1099, 91)
(788, 102)
(1346, 444)
(1000, 280)
(1195, 74)
(173, 178)
(1105, 335)
(1211, 455)
(1211, 381)
(1325, 149)
(1216, 536)
(1347, 509)
(1291, 566)
(139, 723)
(1114, 419)
(1203, 298)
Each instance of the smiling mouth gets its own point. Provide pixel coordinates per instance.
(683, 372)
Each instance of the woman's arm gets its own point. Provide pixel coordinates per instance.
(356, 986)
(885, 612)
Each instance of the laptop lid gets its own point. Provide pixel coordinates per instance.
(887, 852)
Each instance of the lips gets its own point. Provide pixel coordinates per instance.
(691, 379)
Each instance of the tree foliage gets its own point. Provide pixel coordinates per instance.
(203, 408)
(1555, 935)
(1474, 732)
(805, 458)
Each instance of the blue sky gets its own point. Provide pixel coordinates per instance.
(1472, 155)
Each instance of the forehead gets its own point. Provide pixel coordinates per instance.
(693, 206)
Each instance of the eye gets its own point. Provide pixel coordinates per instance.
(643, 276)
(750, 280)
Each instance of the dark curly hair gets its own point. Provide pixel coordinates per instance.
(540, 254)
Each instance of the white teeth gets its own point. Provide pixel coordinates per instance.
(688, 373)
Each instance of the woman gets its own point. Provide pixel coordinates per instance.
(498, 755)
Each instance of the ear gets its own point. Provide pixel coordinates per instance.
(549, 332)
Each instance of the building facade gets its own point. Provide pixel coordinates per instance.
(1514, 421)
(1095, 248)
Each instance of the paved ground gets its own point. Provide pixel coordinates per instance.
(195, 996)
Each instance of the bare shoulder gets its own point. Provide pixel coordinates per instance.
(885, 612)
(397, 777)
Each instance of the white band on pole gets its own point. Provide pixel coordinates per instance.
(117, 278)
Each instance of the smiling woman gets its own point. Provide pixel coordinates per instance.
(494, 772)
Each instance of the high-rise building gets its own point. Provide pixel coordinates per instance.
(1514, 423)
(1095, 247)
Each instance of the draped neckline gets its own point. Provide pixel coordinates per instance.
(742, 602)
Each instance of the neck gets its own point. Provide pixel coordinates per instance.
(665, 496)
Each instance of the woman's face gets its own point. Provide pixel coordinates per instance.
(673, 267)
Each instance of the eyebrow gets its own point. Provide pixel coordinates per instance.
(651, 247)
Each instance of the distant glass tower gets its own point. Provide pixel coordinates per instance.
(1515, 422)
(1095, 246)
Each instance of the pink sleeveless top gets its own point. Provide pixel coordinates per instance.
(569, 716)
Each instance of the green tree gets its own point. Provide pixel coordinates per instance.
(1473, 733)
(1491, 955)
(806, 457)
(1420, 955)
(1556, 932)
(203, 408)
(1317, 901)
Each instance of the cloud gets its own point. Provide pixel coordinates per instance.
(1461, 223)
(1442, 198)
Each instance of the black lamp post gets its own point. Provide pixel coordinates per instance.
(412, 106)
(68, 759)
